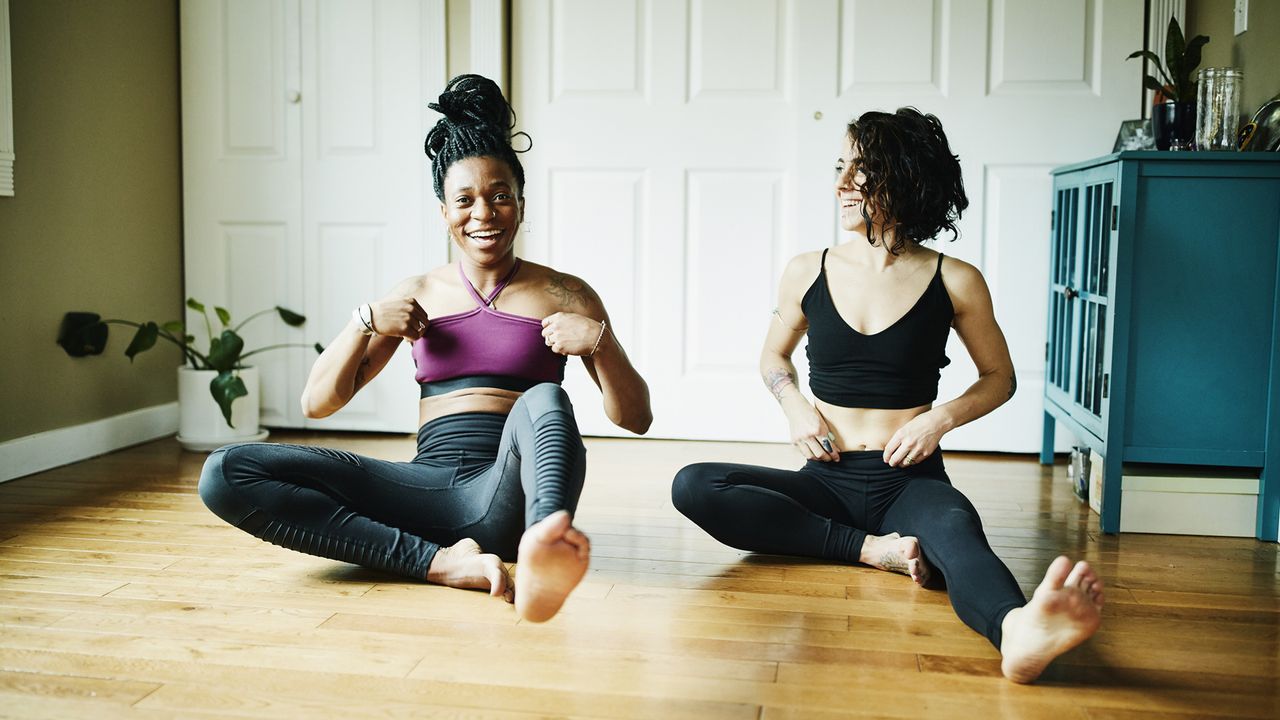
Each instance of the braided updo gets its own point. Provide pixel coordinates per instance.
(477, 122)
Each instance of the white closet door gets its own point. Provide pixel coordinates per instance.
(663, 172)
(683, 152)
(305, 184)
(366, 220)
(241, 172)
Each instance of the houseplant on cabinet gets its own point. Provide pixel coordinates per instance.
(209, 382)
(1173, 117)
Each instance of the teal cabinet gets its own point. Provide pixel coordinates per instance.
(1163, 330)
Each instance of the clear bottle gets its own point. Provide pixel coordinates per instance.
(1218, 108)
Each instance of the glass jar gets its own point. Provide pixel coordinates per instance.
(1218, 108)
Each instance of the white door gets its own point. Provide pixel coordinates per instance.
(241, 173)
(663, 172)
(305, 184)
(682, 153)
(369, 216)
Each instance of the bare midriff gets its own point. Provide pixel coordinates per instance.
(865, 428)
(485, 400)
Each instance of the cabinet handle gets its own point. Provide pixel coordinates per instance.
(295, 97)
(1070, 293)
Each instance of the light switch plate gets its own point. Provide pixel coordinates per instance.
(1242, 16)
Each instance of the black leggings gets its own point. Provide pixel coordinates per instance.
(825, 510)
(479, 475)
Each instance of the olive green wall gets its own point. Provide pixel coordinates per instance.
(96, 223)
(1256, 51)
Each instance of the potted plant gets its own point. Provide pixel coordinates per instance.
(209, 383)
(1173, 117)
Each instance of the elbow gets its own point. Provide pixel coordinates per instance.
(313, 410)
(640, 423)
(633, 417)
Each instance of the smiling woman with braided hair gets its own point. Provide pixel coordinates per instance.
(500, 462)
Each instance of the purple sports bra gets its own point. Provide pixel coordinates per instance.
(484, 347)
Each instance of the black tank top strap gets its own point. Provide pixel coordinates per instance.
(822, 268)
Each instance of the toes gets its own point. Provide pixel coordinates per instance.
(1079, 574)
(911, 550)
(1056, 576)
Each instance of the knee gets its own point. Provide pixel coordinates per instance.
(956, 522)
(216, 479)
(690, 490)
(545, 397)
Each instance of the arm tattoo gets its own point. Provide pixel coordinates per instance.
(1013, 384)
(777, 380)
(567, 290)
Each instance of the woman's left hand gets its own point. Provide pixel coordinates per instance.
(914, 441)
(570, 333)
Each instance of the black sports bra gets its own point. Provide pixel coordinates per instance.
(895, 368)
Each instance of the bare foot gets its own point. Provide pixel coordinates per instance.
(1064, 611)
(552, 559)
(462, 565)
(898, 554)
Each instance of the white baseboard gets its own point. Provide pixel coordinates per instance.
(42, 451)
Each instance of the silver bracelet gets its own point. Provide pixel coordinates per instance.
(363, 315)
(603, 325)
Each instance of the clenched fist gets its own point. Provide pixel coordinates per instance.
(571, 334)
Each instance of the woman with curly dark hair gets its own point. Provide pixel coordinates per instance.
(500, 463)
(878, 310)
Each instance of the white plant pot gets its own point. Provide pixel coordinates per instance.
(201, 427)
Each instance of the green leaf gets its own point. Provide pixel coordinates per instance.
(143, 340)
(1151, 83)
(226, 387)
(1174, 48)
(174, 327)
(224, 315)
(82, 334)
(1191, 58)
(319, 348)
(194, 305)
(224, 351)
(291, 318)
(188, 339)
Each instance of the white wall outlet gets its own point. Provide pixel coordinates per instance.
(1242, 16)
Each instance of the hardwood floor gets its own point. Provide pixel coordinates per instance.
(121, 595)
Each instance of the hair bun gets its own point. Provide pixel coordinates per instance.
(471, 99)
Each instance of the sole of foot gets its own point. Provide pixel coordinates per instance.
(1064, 611)
(551, 561)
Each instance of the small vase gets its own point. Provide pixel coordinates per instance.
(1174, 125)
(201, 427)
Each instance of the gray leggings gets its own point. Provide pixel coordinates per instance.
(479, 475)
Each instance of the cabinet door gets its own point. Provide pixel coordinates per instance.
(1091, 342)
(1078, 358)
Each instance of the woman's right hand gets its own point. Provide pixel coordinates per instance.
(809, 432)
(399, 317)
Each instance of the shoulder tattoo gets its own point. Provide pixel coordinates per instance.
(569, 291)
